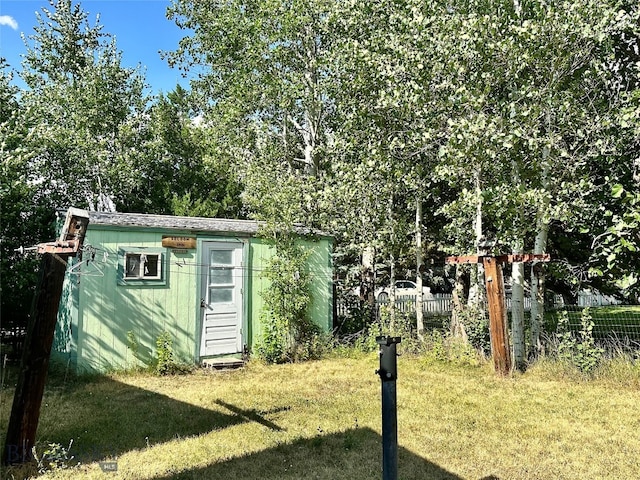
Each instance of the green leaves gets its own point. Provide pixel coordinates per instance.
(619, 244)
(288, 332)
(617, 191)
(262, 69)
(82, 109)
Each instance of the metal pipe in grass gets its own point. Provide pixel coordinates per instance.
(388, 374)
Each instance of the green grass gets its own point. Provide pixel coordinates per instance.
(321, 420)
(610, 322)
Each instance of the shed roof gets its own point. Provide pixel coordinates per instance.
(173, 222)
(196, 224)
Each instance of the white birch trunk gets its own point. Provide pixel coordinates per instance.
(309, 130)
(538, 288)
(419, 299)
(477, 293)
(457, 327)
(366, 279)
(392, 292)
(537, 272)
(517, 290)
(517, 313)
(392, 272)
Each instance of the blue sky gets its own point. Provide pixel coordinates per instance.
(140, 27)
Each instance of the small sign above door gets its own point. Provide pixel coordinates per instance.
(178, 242)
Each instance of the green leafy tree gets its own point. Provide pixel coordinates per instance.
(24, 220)
(183, 172)
(387, 127)
(619, 245)
(68, 139)
(289, 334)
(83, 110)
(260, 91)
(533, 111)
(260, 86)
(517, 104)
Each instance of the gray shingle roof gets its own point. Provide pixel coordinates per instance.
(248, 227)
(194, 224)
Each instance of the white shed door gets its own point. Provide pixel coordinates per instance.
(221, 299)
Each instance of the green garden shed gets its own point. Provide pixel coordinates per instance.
(199, 279)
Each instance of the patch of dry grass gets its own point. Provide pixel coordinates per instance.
(321, 420)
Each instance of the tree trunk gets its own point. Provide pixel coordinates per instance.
(367, 283)
(460, 294)
(419, 299)
(314, 105)
(392, 267)
(537, 289)
(517, 288)
(537, 271)
(309, 128)
(392, 292)
(517, 314)
(478, 294)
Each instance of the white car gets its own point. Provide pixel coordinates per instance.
(404, 288)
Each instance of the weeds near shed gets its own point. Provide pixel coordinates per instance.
(164, 350)
(444, 347)
(166, 363)
(476, 326)
(580, 350)
(436, 345)
(54, 457)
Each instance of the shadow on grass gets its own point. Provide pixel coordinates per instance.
(253, 415)
(354, 454)
(106, 418)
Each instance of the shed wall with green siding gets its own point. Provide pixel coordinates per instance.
(128, 289)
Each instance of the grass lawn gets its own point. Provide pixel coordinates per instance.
(321, 420)
(616, 322)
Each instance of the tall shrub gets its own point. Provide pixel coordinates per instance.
(289, 334)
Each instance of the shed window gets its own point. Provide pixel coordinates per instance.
(143, 266)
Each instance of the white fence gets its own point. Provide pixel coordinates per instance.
(442, 304)
(589, 299)
(439, 305)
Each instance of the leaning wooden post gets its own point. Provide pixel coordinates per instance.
(500, 348)
(25, 413)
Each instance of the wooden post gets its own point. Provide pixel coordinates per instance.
(25, 412)
(500, 349)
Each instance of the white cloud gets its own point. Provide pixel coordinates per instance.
(9, 21)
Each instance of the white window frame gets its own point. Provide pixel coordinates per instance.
(138, 276)
(142, 260)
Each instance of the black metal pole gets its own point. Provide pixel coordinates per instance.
(388, 374)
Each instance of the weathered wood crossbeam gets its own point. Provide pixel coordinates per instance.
(500, 349)
(58, 247)
(523, 257)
